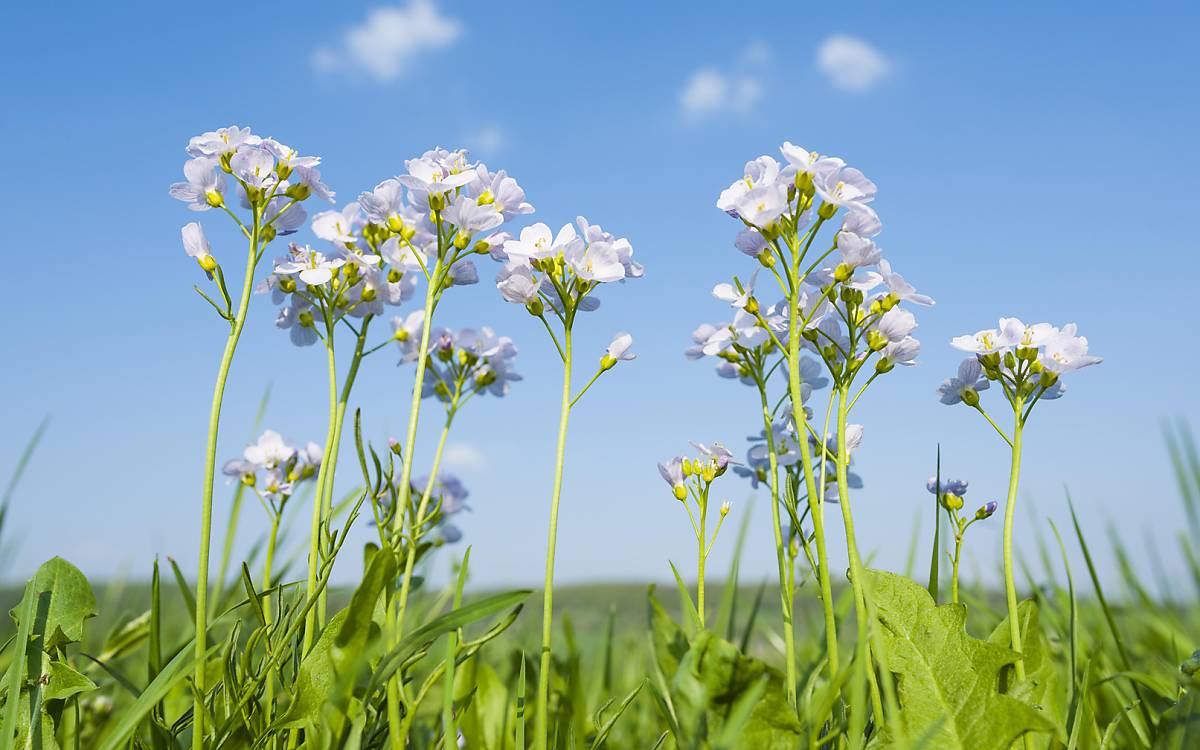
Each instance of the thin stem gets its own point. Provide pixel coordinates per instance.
(785, 589)
(266, 585)
(958, 542)
(206, 493)
(857, 572)
(815, 499)
(314, 541)
(995, 426)
(543, 697)
(1010, 514)
(701, 554)
(589, 385)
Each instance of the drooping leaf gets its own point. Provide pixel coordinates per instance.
(946, 678)
(62, 681)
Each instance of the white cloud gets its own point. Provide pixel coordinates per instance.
(391, 38)
(709, 91)
(852, 64)
(488, 140)
(463, 457)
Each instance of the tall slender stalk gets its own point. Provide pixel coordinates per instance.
(206, 492)
(815, 499)
(269, 703)
(542, 722)
(1010, 508)
(314, 544)
(702, 543)
(785, 578)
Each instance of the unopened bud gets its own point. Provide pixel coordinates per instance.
(751, 305)
(827, 210)
(306, 319)
(287, 284)
(1047, 378)
(249, 479)
(437, 202)
(607, 362)
(951, 501)
(283, 170)
(214, 199)
(207, 262)
(394, 275)
(687, 468)
(267, 233)
(725, 506)
(843, 272)
(884, 365)
(1010, 360)
(298, 192)
(766, 258)
(970, 397)
(535, 307)
(401, 334)
(368, 294)
(461, 241)
(394, 446)
(986, 511)
(876, 340)
(680, 492)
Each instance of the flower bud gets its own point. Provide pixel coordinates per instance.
(708, 472)
(1010, 360)
(287, 284)
(766, 258)
(283, 170)
(1047, 378)
(267, 233)
(461, 240)
(394, 446)
(970, 397)
(207, 263)
(306, 319)
(482, 247)
(827, 210)
(248, 479)
(842, 273)
(437, 203)
(687, 468)
(607, 362)
(253, 195)
(401, 335)
(214, 199)
(752, 306)
(725, 506)
(535, 307)
(884, 365)
(368, 294)
(680, 492)
(950, 501)
(986, 511)
(407, 233)
(394, 275)
(876, 340)
(224, 161)
(298, 192)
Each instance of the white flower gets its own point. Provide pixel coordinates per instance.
(807, 162)
(618, 351)
(717, 452)
(984, 342)
(470, 217)
(762, 206)
(217, 143)
(310, 177)
(595, 261)
(750, 242)
(896, 283)
(864, 222)
(1067, 352)
(286, 217)
(463, 273)
(702, 337)
(385, 204)
(517, 283)
(403, 255)
(1033, 336)
(763, 171)
(195, 244)
(297, 319)
(289, 156)
(253, 166)
(845, 187)
(896, 324)
(672, 472)
(857, 251)
(536, 241)
(204, 186)
(902, 352)
(337, 227)
(407, 332)
(314, 268)
(270, 451)
(624, 249)
(968, 380)
(501, 192)
(438, 171)
(727, 292)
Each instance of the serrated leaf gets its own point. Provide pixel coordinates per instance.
(62, 681)
(64, 602)
(947, 681)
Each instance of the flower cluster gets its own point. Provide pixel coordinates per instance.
(271, 180)
(273, 468)
(950, 493)
(1027, 361)
(424, 223)
(543, 269)
(848, 297)
(463, 364)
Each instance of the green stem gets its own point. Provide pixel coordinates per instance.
(543, 697)
(815, 499)
(958, 541)
(206, 493)
(266, 584)
(857, 575)
(330, 458)
(1010, 508)
(314, 544)
(785, 586)
(395, 622)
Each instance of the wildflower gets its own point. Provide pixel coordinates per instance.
(337, 227)
(672, 472)
(595, 261)
(205, 184)
(761, 172)
(517, 284)
(618, 351)
(762, 206)
(288, 156)
(736, 298)
(314, 268)
(864, 222)
(964, 386)
(536, 243)
(253, 166)
(1066, 352)
(857, 251)
(501, 192)
(406, 331)
(953, 486)
(718, 454)
(471, 217)
(297, 318)
(308, 182)
(844, 187)
(284, 215)
(463, 273)
(900, 289)
(195, 244)
(222, 142)
(804, 166)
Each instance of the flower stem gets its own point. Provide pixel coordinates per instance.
(314, 543)
(543, 697)
(958, 541)
(269, 703)
(404, 492)
(815, 499)
(206, 493)
(701, 554)
(1010, 508)
(857, 572)
(785, 583)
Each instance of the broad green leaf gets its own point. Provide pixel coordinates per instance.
(64, 601)
(62, 681)
(944, 675)
(1043, 688)
(669, 641)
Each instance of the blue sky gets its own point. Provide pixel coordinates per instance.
(1033, 160)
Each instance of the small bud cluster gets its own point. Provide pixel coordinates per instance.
(463, 364)
(950, 495)
(273, 468)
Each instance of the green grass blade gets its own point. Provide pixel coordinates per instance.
(16, 670)
(685, 600)
(936, 554)
(171, 675)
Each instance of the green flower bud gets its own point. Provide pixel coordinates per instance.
(394, 275)
(401, 335)
(394, 446)
(267, 233)
(535, 307)
(708, 472)
(437, 203)
(842, 273)
(214, 199)
(306, 319)
(1047, 378)
(254, 195)
(298, 192)
(207, 262)
(951, 501)
(687, 468)
(884, 365)
(287, 284)
(1010, 360)
(827, 210)
(970, 397)
(680, 492)
(249, 479)
(482, 247)
(368, 294)
(283, 170)
(876, 340)
(607, 363)
(462, 240)
(766, 258)
(225, 162)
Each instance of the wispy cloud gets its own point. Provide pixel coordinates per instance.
(711, 90)
(463, 457)
(389, 41)
(852, 64)
(488, 140)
